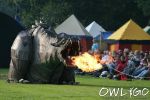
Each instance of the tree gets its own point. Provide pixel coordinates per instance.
(111, 14)
(5, 8)
(144, 5)
(56, 11)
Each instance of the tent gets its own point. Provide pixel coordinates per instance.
(95, 29)
(131, 36)
(102, 40)
(103, 36)
(73, 27)
(9, 28)
(96, 32)
(147, 29)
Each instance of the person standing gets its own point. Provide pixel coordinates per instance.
(95, 46)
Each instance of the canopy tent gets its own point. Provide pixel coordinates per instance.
(96, 32)
(95, 29)
(131, 36)
(9, 28)
(147, 29)
(73, 27)
(103, 36)
(102, 40)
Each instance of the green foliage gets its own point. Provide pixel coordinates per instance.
(55, 12)
(5, 8)
(109, 13)
(145, 6)
(148, 31)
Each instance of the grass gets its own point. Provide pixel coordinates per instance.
(87, 90)
(3, 70)
(3, 73)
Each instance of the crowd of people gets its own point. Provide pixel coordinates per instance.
(120, 65)
(123, 64)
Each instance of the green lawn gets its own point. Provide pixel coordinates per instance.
(3, 73)
(3, 70)
(87, 90)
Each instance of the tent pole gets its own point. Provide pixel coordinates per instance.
(101, 41)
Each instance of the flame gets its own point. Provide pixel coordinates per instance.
(86, 62)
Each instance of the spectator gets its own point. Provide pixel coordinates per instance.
(136, 58)
(107, 59)
(128, 70)
(141, 68)
(145, 71)
(112, 66)
(95, 46)
(120, 67)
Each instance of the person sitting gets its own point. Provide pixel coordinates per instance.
(140, 68)
(107, 59)
(120, 67)
(112, 66)
(128, 70)
(136, 58)
(145, 71)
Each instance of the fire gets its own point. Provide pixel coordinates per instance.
(86, 62)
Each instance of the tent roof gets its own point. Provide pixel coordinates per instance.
(130, 31)
(71, 26)
(95, 29)
(147, 28)
(105, 35)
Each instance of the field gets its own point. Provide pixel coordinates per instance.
(88, 89)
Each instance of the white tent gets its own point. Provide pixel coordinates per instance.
(95, 29)
(147, 28)
(71, 26)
